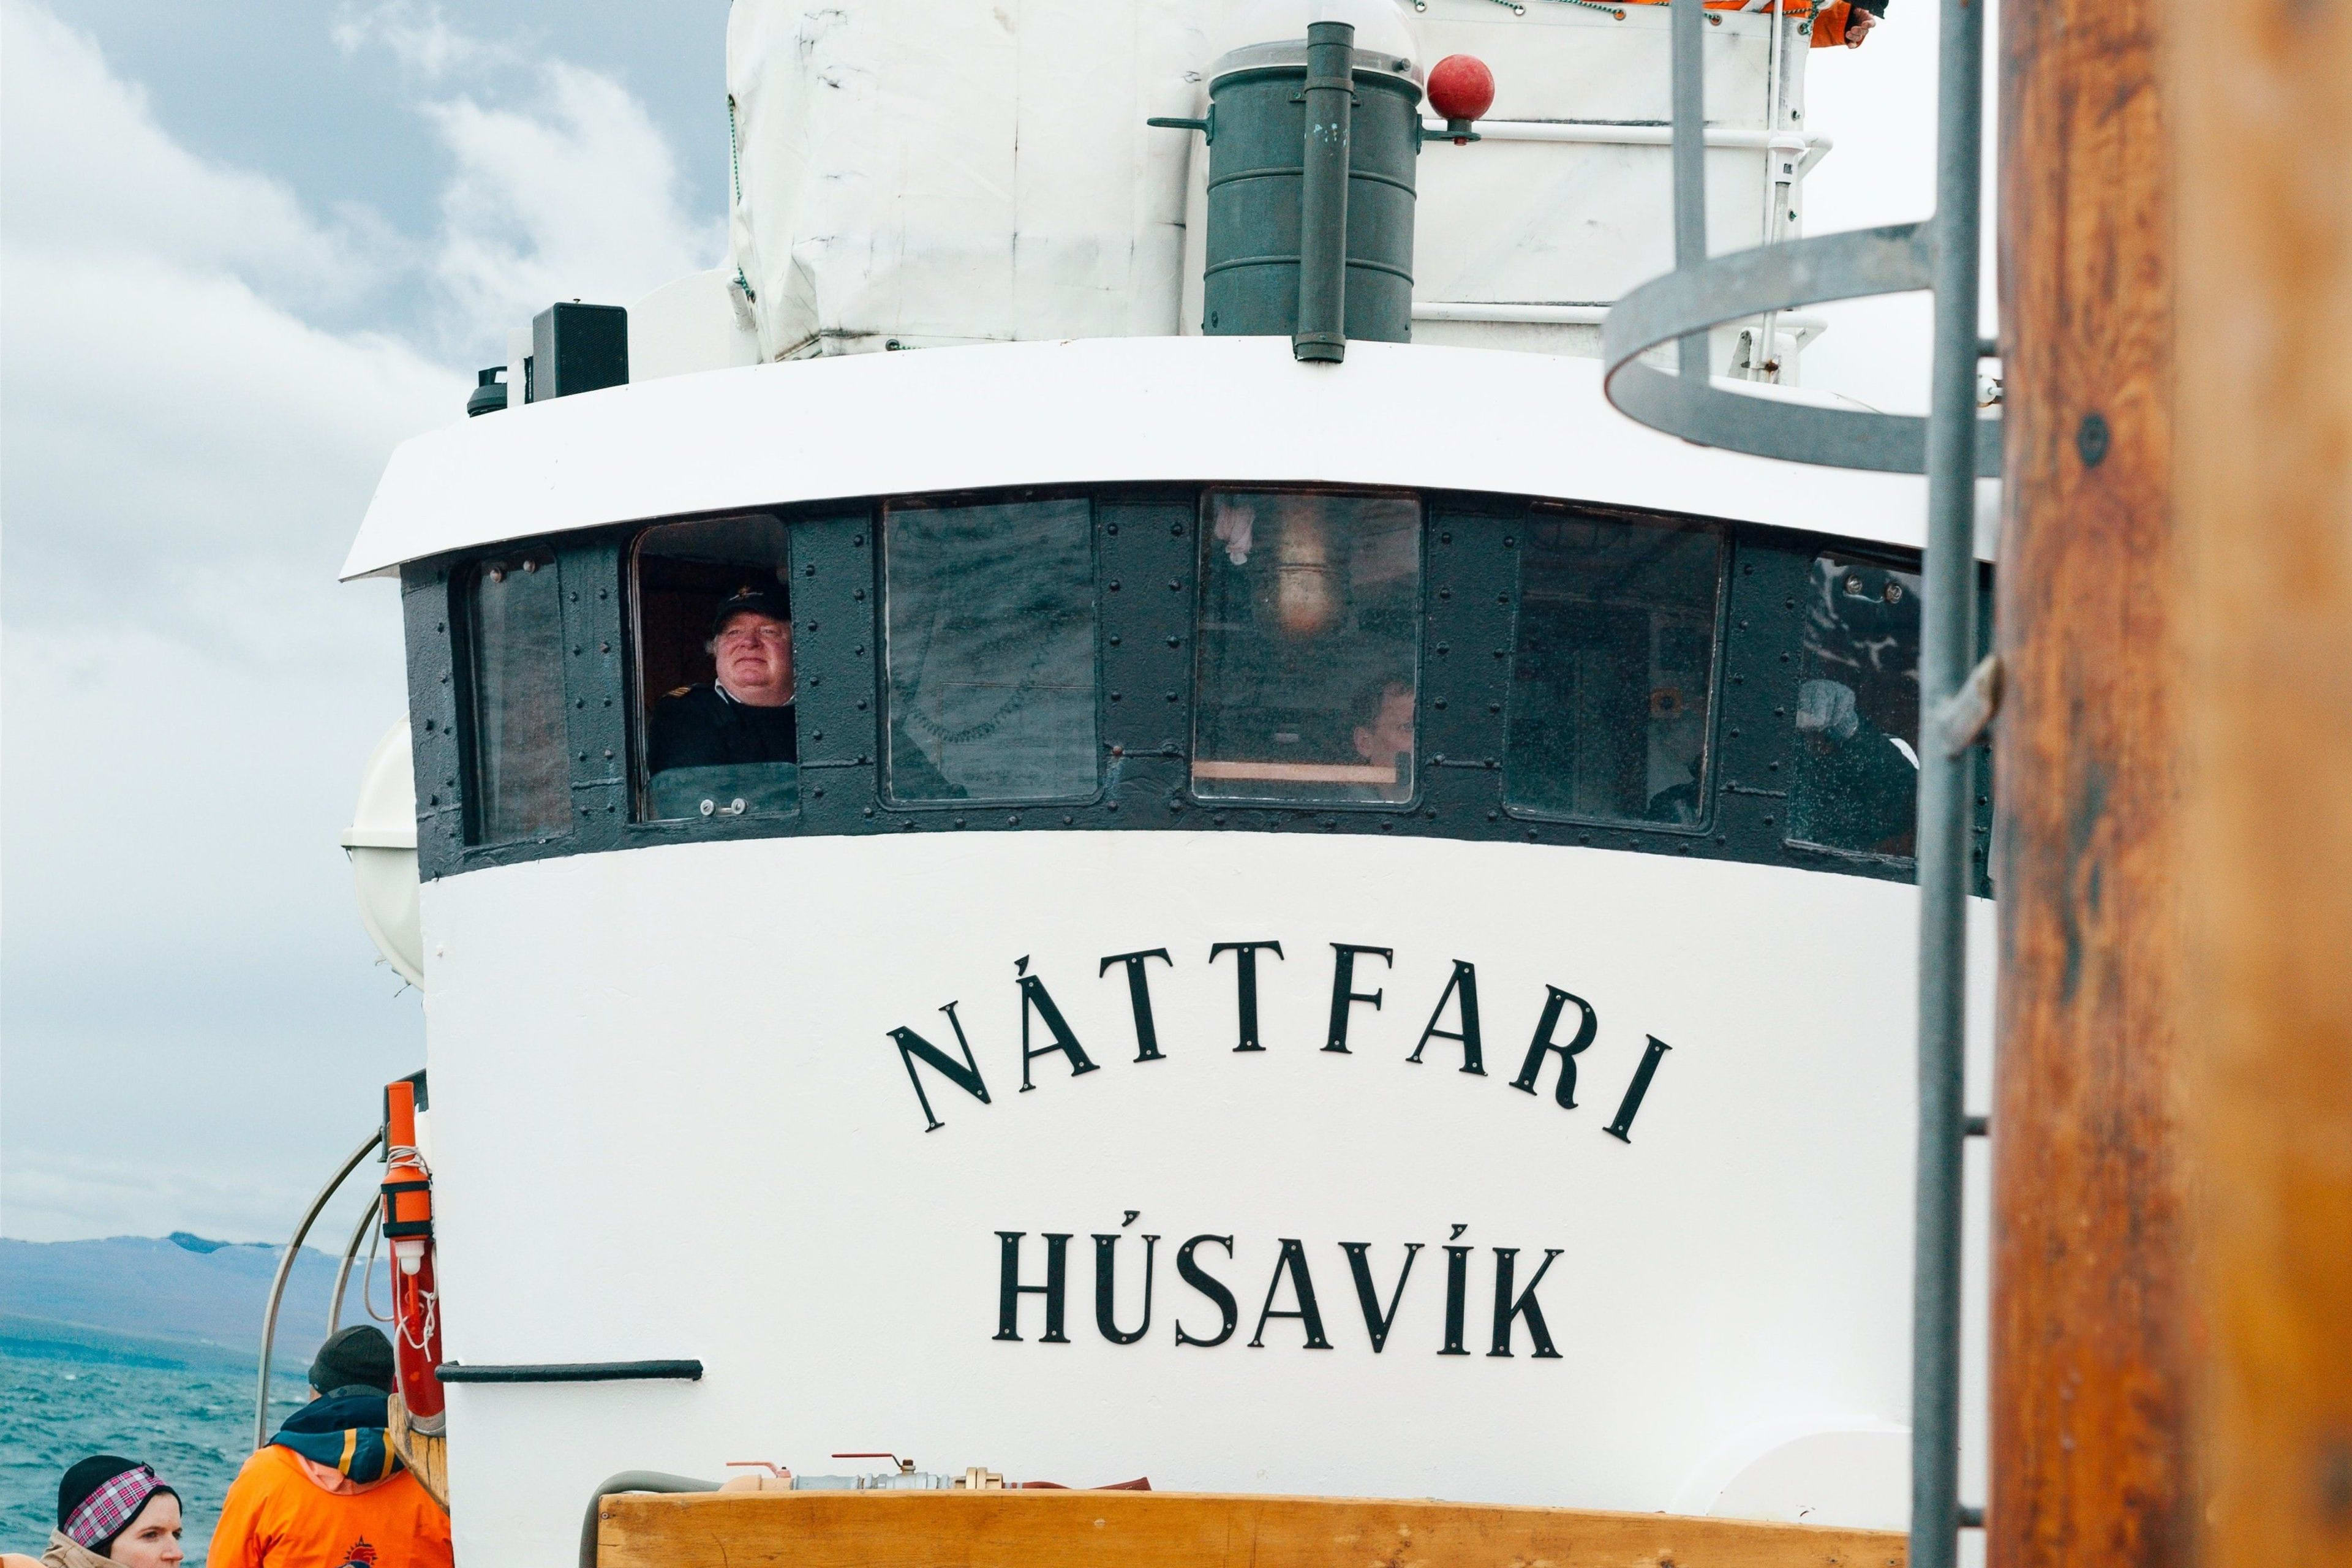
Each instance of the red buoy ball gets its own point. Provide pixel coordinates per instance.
(1461, 88)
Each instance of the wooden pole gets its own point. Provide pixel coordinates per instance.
(2262, 116)
(2087, 1361)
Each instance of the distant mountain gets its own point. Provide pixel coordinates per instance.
(180, 1300)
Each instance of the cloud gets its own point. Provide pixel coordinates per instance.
(193, 1028)
(561, 187)
(178, 440)
(183, 457)
(419, 37)
(71, 1195)
(572, 199)
(89, 172)
(178, 447)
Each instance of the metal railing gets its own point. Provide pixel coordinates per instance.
(1953, 448)
(285, 1267)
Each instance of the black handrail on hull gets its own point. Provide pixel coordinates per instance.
(571, 1372)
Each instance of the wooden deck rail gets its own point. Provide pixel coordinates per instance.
(1191, 1529)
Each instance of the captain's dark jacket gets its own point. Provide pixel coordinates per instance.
(701, 726)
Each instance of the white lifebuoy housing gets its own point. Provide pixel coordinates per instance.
(382, 843)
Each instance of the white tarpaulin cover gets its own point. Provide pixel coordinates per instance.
(918, 173)
(952, 171)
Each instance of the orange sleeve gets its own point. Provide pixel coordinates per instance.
(433, 1549)
(1829, 24)
(238, 1540)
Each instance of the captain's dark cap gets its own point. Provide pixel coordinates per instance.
(756, 599)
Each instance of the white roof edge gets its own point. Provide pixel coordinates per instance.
(1099, 410)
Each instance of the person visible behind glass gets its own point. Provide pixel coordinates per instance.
(1857, 776)
(1383, 738)
(745, 715)
(1862, 783)
(1310, 623)
(1677, 750)
(111, 1511)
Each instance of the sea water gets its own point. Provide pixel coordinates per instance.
(194, 1426)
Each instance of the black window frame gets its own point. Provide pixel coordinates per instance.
(637, 709)
(1882, 558)
(1191, 635)
(1142, 535)
(466, 661)
(884, 719)
(1727, 536)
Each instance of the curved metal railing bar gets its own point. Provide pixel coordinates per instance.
(1895, 260)
(343, 1272)
(285, 1267)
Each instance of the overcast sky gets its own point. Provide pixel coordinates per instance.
(245, 249)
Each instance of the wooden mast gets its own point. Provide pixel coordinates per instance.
(2172, 1319)
(2261, 97)
(2087, 1369)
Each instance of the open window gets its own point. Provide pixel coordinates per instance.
(716, 730)
(1308, 641)
(510, 614)
(1613, 673)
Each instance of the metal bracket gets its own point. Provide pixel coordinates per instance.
(1962, 719)
(1854, 265)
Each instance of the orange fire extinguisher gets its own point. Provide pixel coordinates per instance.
(408, 1227)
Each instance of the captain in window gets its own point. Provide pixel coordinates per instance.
(744, 718)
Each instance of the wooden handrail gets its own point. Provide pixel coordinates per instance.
(1189, 1529)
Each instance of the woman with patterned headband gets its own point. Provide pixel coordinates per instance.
(111, 1514)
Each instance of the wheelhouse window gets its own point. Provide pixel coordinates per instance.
(511, 611)
(716, 685)
(1857, 710)
(1613, 673)
(1307, 677)
(991, 651)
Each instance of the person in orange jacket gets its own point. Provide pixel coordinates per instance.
(328, 1491)
(1846, 22)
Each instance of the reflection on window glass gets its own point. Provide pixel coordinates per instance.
(1614, 669)
(992, 651)
(1310, 618)
(519, 784)
(1857, 710)
(715, 673)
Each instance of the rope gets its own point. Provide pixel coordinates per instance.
(735, 172)
(734, 151)
(424, 1338)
